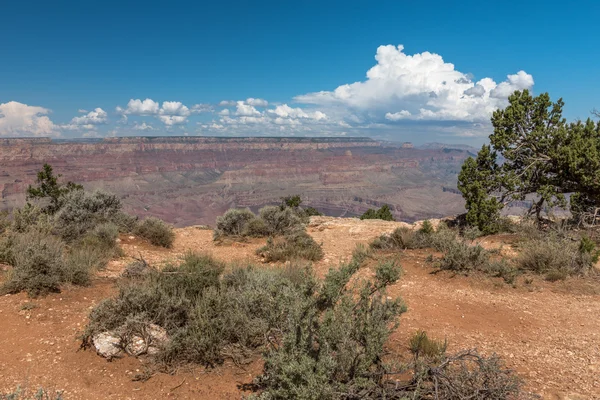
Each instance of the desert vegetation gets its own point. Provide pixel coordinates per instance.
(545, 159)
(383, 213)
(23, 394)
(319, 338)
(283, 225)
(64, 233)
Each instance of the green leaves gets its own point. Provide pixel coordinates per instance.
(50, 189)
(542, 155)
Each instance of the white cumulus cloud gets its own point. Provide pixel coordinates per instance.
(143, 127)
(422, 87)
(246, 110)
(96, 117)
(256, 102)
(18, 119)
(139, 107)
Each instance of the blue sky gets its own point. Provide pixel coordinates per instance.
(72, 69)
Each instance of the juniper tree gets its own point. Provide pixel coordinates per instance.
(532, 151)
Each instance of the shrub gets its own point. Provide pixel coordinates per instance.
(422, 346)
(4, 221)
(296, 245)
(280, 221)
(37, 264)
(106, 235)
(333, 348)
(81, 212)
(156, 232)
(465, 375)
(125, 222)
(383, 213)
(256, 227)
(233, 222)
(312, 212)
(91, 253)
(472, 233)
(557, 257)
(209, 317)
(461, 257)
(26, 217)
(403, 238)
(427, 227)
(291, 201)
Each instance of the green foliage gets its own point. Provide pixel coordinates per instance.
(209, 316)
(280, 221)
(156, 232)
(92, 252)
(291, 201)
(587, 247)
(26, 217)
(312, 212)
(5, 222)
(49, 190)
(476, 181)
(38, 267)
(292, 246)
(427, 228)
(383, 213)
(461, 257)
(542, 155)
(233, 222)
(271, 221)
(557, 257)
(335, 346)
(80, 212)
(423, 346)
(403, 238)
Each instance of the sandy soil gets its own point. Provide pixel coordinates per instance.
(548, 332)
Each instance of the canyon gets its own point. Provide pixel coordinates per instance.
(191, 180)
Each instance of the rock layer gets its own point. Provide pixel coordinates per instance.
(191, 180)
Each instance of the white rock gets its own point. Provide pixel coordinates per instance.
(107, 345)
(156, 335)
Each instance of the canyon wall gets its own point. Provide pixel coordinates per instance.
(191, 180)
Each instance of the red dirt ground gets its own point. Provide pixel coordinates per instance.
(548, 332)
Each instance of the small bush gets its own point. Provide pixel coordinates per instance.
(297, 245)
(557, 257)
(26, 217)
(233, 222)
(312, 212)
(106, 234)
(256, 227)
(471, 233)
(126, 223)
(422, 346)
(80, 212)
(333, 348)
(427, 227)
(280, 221)
(383, 213)
(465, 375)
(403, 238)
(156, 232)
(461, 257)
(37, 264)
(209, 317)
(4, 221)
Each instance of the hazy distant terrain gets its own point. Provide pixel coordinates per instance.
(192, 180)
